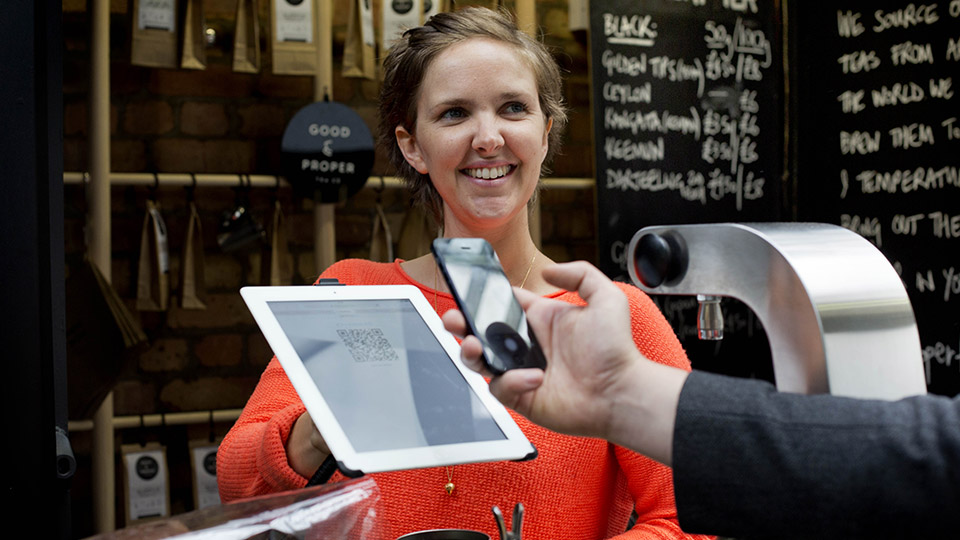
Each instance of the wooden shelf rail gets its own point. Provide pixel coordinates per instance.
(268, 181)
(169, 419)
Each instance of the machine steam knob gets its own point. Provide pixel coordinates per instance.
(659, 258)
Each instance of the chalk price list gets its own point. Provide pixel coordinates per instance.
(724, 128)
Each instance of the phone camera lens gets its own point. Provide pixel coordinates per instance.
(507, 344)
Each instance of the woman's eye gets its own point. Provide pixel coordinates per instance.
(453, 114)
(515, 108)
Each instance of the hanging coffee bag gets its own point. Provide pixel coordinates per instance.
(203, 461)
(193, 289)
(398, 16)
(294, 38)
(246, 38)
(194, 39)
(153, 280)
(579, 18)
(358, 48)
(146, 482)
(154, 42)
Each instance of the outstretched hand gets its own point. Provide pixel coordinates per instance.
(589, 349)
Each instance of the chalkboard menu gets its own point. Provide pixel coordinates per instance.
(879, 148)
(688, 128)
(688, 115)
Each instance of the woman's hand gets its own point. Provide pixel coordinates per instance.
(306, 448)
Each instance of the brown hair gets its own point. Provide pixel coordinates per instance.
(407, 63)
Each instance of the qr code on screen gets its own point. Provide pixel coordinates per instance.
(367, 344)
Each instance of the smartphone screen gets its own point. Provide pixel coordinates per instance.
(485, 297)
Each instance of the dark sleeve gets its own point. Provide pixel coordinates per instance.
(753, 462)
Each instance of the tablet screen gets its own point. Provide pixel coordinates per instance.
(384, 375)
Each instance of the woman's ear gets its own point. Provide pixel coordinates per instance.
(411, 151)
(546, 135)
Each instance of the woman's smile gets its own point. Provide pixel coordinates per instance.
(488, 173)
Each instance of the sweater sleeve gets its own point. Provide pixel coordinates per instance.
(649, 482)
(252, 459)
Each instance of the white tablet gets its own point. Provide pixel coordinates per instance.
(382, 379)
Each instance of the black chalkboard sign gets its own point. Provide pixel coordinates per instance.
(688, 128)
(688, 115)
(878, 146)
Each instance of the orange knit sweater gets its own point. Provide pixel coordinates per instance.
(577, 488)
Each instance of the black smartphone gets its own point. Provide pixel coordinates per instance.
(485, 297)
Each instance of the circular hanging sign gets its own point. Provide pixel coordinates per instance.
(327, 152)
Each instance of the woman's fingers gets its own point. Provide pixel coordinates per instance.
(471, 350)
(454, 322)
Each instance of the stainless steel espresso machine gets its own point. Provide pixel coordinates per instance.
(836, 314)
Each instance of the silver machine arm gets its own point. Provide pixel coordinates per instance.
(836, 314)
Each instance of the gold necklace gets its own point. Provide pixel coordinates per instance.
(449, 486)
(436, 281)
(529, 268)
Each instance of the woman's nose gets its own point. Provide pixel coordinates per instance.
(488, 138)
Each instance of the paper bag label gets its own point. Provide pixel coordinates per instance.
(157, 15)
(146, 484)
(205, 473)
(294, 20)
(366, 23)
(398, 16)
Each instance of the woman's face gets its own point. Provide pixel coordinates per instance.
(480, 133)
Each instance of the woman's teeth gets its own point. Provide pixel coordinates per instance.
(488, 172)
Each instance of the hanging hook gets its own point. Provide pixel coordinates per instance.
(212, 432)
(241, 190)
(276, 190)
(142, 432)
(156, 186)
(192, 187)
(164, 434)
(244, 183)
(379, 190)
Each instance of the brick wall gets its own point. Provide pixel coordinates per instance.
(218, 121)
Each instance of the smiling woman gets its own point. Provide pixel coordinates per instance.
(405, 71)
(471, 109)
(480, 137)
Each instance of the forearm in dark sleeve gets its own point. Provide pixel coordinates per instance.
(753, 462)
